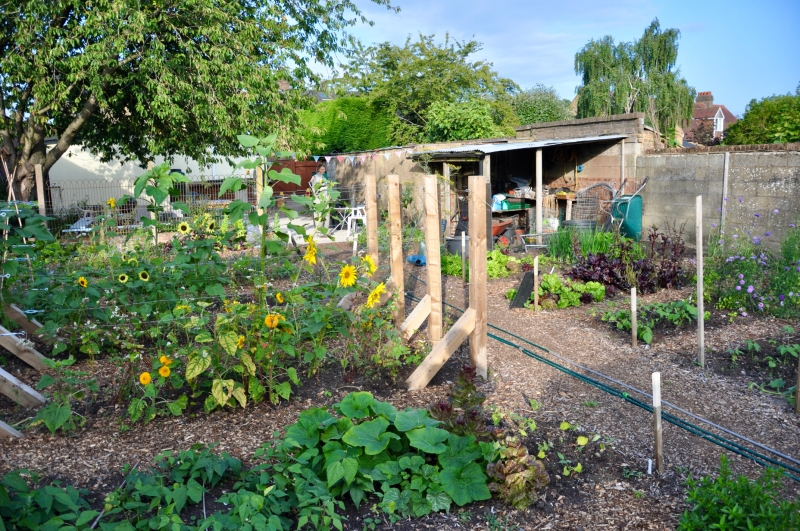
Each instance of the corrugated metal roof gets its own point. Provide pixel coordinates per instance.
(486, 149)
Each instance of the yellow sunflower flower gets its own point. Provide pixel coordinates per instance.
(240, 342)
(211, 226)
(375, 295)
(272, 320)
(144, 378)
(164, 371)
(133, 262)
(279, 298)
(82, 282)
(123, 278)
(347, 276)
(112, 203)
(370, 263)
(311, 252)
(165, 360)
(144, 276)
(183, 228)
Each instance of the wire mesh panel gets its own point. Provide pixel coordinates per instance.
(589, 203)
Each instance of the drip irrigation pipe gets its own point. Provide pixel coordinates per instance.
(691, 428)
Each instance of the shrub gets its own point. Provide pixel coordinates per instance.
(649, 316)
(737, 503)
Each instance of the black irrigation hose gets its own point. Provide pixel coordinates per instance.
(736, 448)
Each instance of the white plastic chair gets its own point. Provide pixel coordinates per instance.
(359, 212)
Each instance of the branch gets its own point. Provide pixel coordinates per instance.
(41, 112)
(66, 138)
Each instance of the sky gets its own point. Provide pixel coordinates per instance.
(737, 49)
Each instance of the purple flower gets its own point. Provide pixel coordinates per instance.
(741, 275)
(744, 314)
(798, 269)
(750, 289)
(767, 234)
(761, 306)
(741, 282)
(691, 261)
(713, 225)
(757, 215)
(786, 268)
(781, 297)
(718, 210)
(740, 199)
(775, 211)
(738, 288)
(791, 225)
(724, 198)
(735, 235)
(721, 242)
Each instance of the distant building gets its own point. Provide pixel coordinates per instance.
(710, 121)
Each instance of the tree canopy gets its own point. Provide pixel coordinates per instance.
(410, 79)
(639, 76)
(772, 120)
(350, 123)
(134, 79)
(540, 104)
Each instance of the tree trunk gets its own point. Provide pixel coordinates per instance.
(24, 183)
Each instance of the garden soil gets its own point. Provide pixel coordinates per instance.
(613, 491)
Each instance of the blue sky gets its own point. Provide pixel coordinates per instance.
(737, 49)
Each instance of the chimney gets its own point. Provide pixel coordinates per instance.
(705, 98)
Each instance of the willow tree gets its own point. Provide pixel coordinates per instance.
(640, 76)
(132, 79)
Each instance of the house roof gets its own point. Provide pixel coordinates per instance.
(707, 112)
(478, 150)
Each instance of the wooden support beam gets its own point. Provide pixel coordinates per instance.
(371, 202)
(15, 345)
(477, 272)
(539, 196)
(442, 351)
(448, 208)
(31, 326)
(9, 432)
(416, 317)
(396, 245)
(433, 258)
(486, 171)
(18, 391)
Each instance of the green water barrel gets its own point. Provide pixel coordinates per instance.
(630, 210)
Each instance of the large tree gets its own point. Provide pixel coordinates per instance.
(408, 80)
(639, 76)
(541, 104)
(138, 78)
(772, 120)
(350, 123)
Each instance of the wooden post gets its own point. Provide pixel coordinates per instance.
(371, 196)
(701, 348)
(463, 258)
(442, 351)
(18, 391)
(659, 450)
(568, 215)
(40, 197)
(433, 259)
(622, 162)
(487, 174)
(723, 202)
(539, 196)
(634, 331)
(477, 273)
(152, 215)
(17, 347)
(448, 208)
(396, 245)
(536, 283)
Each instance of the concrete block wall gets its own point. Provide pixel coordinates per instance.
(627, 124)
(764, 180)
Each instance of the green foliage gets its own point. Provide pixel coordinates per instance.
(540, 104)
(447, 121)
(451, 265)
(555, 292)
(675, 313)
(14, 246)
(565, 243)
(349, 123)
(625, 77)
(517, 476)
(739, 503)
(497, 263)
(772, 120)
(123, 88)
(408, 80)
(67, 387)
(463, 412)
(42, 509)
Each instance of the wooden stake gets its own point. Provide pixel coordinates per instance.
(447, 202)
(433, 259)
(657, 422)
(463, 258)
(634, 331)
(701, 348)
(536, 283)
(396, 246)
(477, 272)
(9, 432)
(40, 189)
(487, 173)
(371, 194)
(539, 196)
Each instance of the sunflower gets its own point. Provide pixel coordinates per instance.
(133, 262)
(371, 267)
(82, 282)
(279, 298)
(124, 257)
(240, 342)
(164, 371)
(375, 295)
(112, 203)
(144, 378)
(272, 320)
(311, 252)
(144, 276)
(347, 276)
(183, 227)
(211, 226)
(165, 360)
(123, 278)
